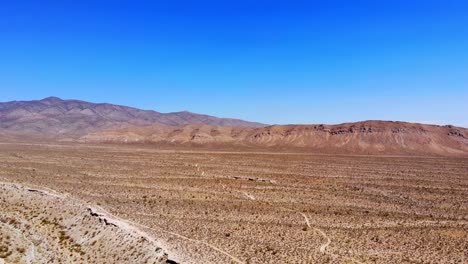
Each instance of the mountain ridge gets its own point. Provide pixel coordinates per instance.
(55, 117)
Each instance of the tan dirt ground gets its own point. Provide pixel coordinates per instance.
(221, 207)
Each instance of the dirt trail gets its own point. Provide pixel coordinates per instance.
(129, 223)
(233, 258)
(250, 196)
(323, 247)
(108, 219)
(126, 225)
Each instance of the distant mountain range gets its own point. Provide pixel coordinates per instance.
(57, 118)
(79, 121)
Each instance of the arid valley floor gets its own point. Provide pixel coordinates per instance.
(126, 204)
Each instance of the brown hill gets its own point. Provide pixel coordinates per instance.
(54, 117)
(368, 137)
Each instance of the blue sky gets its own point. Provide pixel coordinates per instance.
(267, 61)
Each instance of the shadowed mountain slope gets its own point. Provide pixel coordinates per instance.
(55, 117)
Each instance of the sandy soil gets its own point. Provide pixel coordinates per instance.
(43, 226)
(221, 207)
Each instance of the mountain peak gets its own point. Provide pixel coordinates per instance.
(55, 117)
(51, 99)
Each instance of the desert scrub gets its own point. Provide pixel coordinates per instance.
(5, 251)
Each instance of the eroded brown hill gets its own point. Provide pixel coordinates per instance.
(368, 137)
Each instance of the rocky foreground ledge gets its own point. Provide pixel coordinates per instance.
(42, 226)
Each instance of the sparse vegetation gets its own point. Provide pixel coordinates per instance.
(217, 207)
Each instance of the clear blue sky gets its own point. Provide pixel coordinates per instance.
(269, 61)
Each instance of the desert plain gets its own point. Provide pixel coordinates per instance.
(78, 203)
